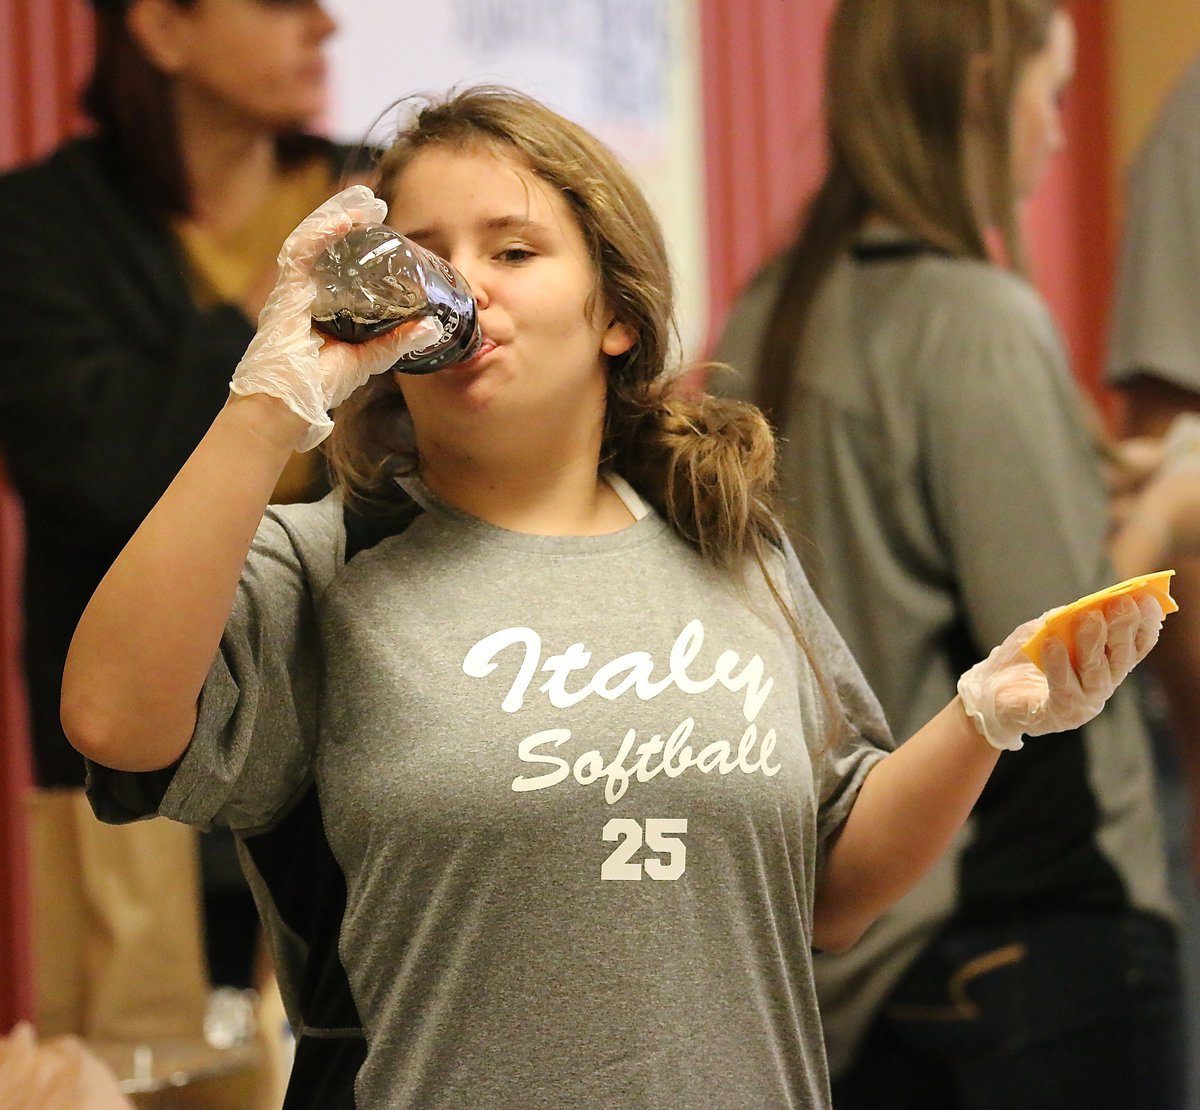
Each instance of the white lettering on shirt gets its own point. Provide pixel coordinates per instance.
(636, 760)
(677, 756)
(631, 671)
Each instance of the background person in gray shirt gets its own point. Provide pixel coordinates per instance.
(1154, 359)
(548, 770)
(944, 479)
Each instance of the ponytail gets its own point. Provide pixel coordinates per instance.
(707, 464)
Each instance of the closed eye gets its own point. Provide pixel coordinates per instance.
(516, 254)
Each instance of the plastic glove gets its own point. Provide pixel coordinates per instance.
(1007, 696)
(1168, 510)
(287, 358)
(1182, 441)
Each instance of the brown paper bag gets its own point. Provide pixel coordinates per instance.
(118, 940)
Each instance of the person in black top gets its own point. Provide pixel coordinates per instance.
(132, 266)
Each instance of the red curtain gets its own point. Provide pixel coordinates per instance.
(761, 70)
(1072, 234)
(45, 48)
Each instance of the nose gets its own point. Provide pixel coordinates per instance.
(324, 24)
(475, 278)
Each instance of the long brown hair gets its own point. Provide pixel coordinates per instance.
(898, 102)
(708, 465)
(130, 100)
(132, 103)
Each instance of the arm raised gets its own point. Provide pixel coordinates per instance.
(147, 638)
(144, 645)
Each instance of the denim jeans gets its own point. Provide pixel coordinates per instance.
(1063, 1011)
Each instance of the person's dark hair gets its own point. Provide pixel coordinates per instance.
(898, 102)
(130, 100)
(707, 465)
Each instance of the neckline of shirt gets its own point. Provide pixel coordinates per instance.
(887, 242)
(646, 525)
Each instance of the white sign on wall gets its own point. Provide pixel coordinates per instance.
(625, 69)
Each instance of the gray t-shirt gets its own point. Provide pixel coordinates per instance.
(942, 488)
(1156, 314)
(534, 821)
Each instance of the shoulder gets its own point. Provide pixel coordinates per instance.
(327, 534)
(74, 159)
(741, 338)
(79, 191)
(51, 211)
(1179, 120)
(933, 280)
(967, 307)
(310, 535)
(934, 320)
(956, 284)
(938, 338)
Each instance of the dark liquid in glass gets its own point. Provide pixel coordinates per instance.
(375, 279)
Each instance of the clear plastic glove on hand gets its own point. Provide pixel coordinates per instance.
(1159, 519)
(1171, 503)
(287, 358)
(1008, 697)
(1132, 462)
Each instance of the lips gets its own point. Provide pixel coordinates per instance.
(485, 350)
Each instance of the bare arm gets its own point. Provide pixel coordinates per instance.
(918, 796)
(146, 641)
(1151, 406)
(143, 648)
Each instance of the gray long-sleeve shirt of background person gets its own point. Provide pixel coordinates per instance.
(942, 488)
(1156, 314)
(534, 821)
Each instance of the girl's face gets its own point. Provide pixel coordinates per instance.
(1037, 131)
(262, 60)
(540, 377)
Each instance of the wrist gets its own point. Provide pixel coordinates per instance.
(983, 726)
(269, 419)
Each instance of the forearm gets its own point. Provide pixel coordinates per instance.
(147, 639)
(1176, 661)
(908, 810)
(1146, 540)
(1141, 544)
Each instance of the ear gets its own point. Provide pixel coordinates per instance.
(617, 338)
(157, 27)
